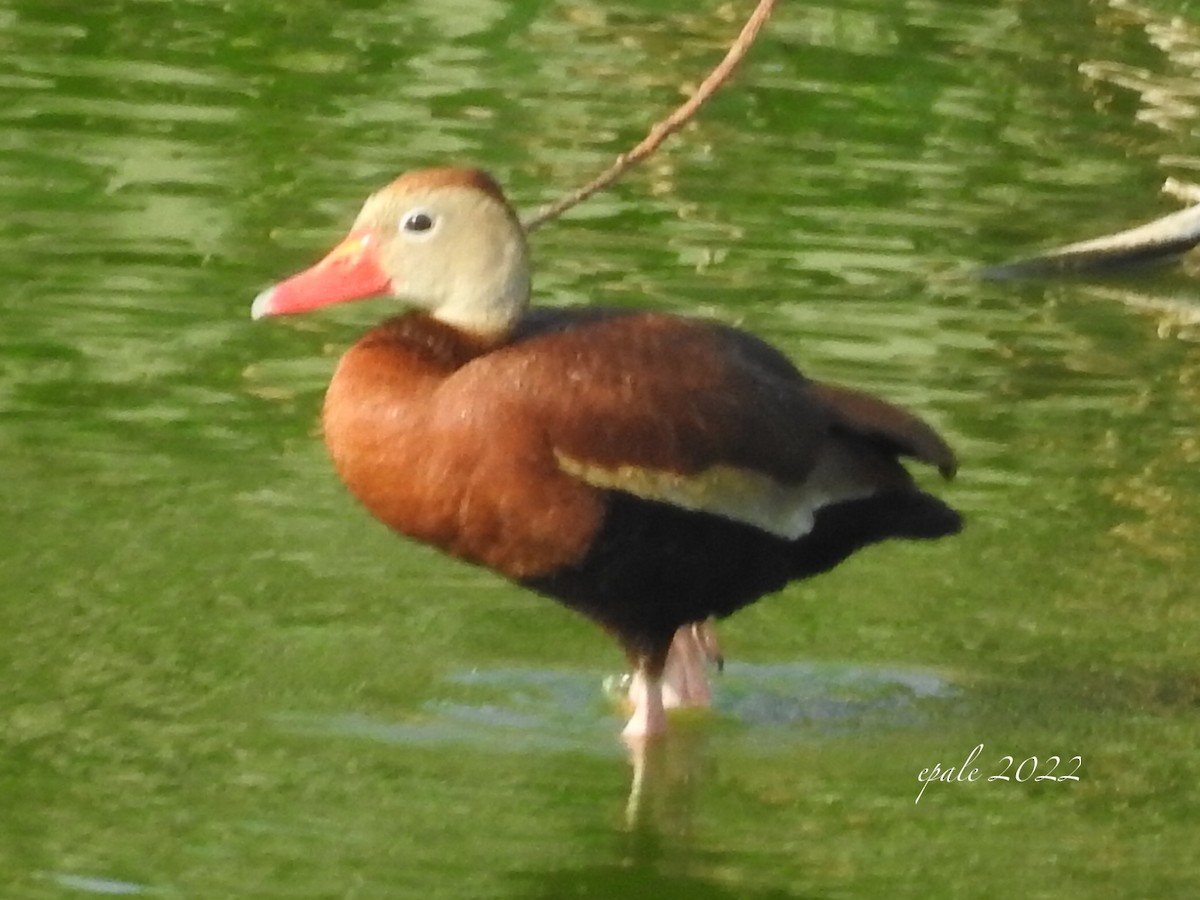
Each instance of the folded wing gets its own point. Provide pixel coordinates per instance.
(709, 419)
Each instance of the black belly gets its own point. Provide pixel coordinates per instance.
(655, 567)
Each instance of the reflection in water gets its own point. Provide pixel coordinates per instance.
(1170, 100)
(562, 708)
(91, 885)
(1175, 312)
(666, 781)
(649, 871)
(523, 711)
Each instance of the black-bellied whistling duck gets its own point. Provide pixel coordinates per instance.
(648, 470)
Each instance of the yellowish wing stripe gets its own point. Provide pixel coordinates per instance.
(785, 510)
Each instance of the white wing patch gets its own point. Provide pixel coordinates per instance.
(784, 510)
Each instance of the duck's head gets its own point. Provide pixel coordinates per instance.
(445, 240)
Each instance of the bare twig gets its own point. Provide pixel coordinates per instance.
(666, 127)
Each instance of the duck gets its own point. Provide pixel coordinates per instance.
(652, 471)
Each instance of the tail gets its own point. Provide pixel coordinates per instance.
(843, 528)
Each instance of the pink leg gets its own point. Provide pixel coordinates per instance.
(683, 683)
(685, 679)
(706, 635)
(648, 719)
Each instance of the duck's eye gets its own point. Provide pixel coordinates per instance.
(417, 222)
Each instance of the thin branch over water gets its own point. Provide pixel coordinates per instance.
(664, 128)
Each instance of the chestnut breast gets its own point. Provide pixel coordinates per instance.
(455, 468)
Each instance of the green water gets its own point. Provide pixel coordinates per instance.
(222, 679)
